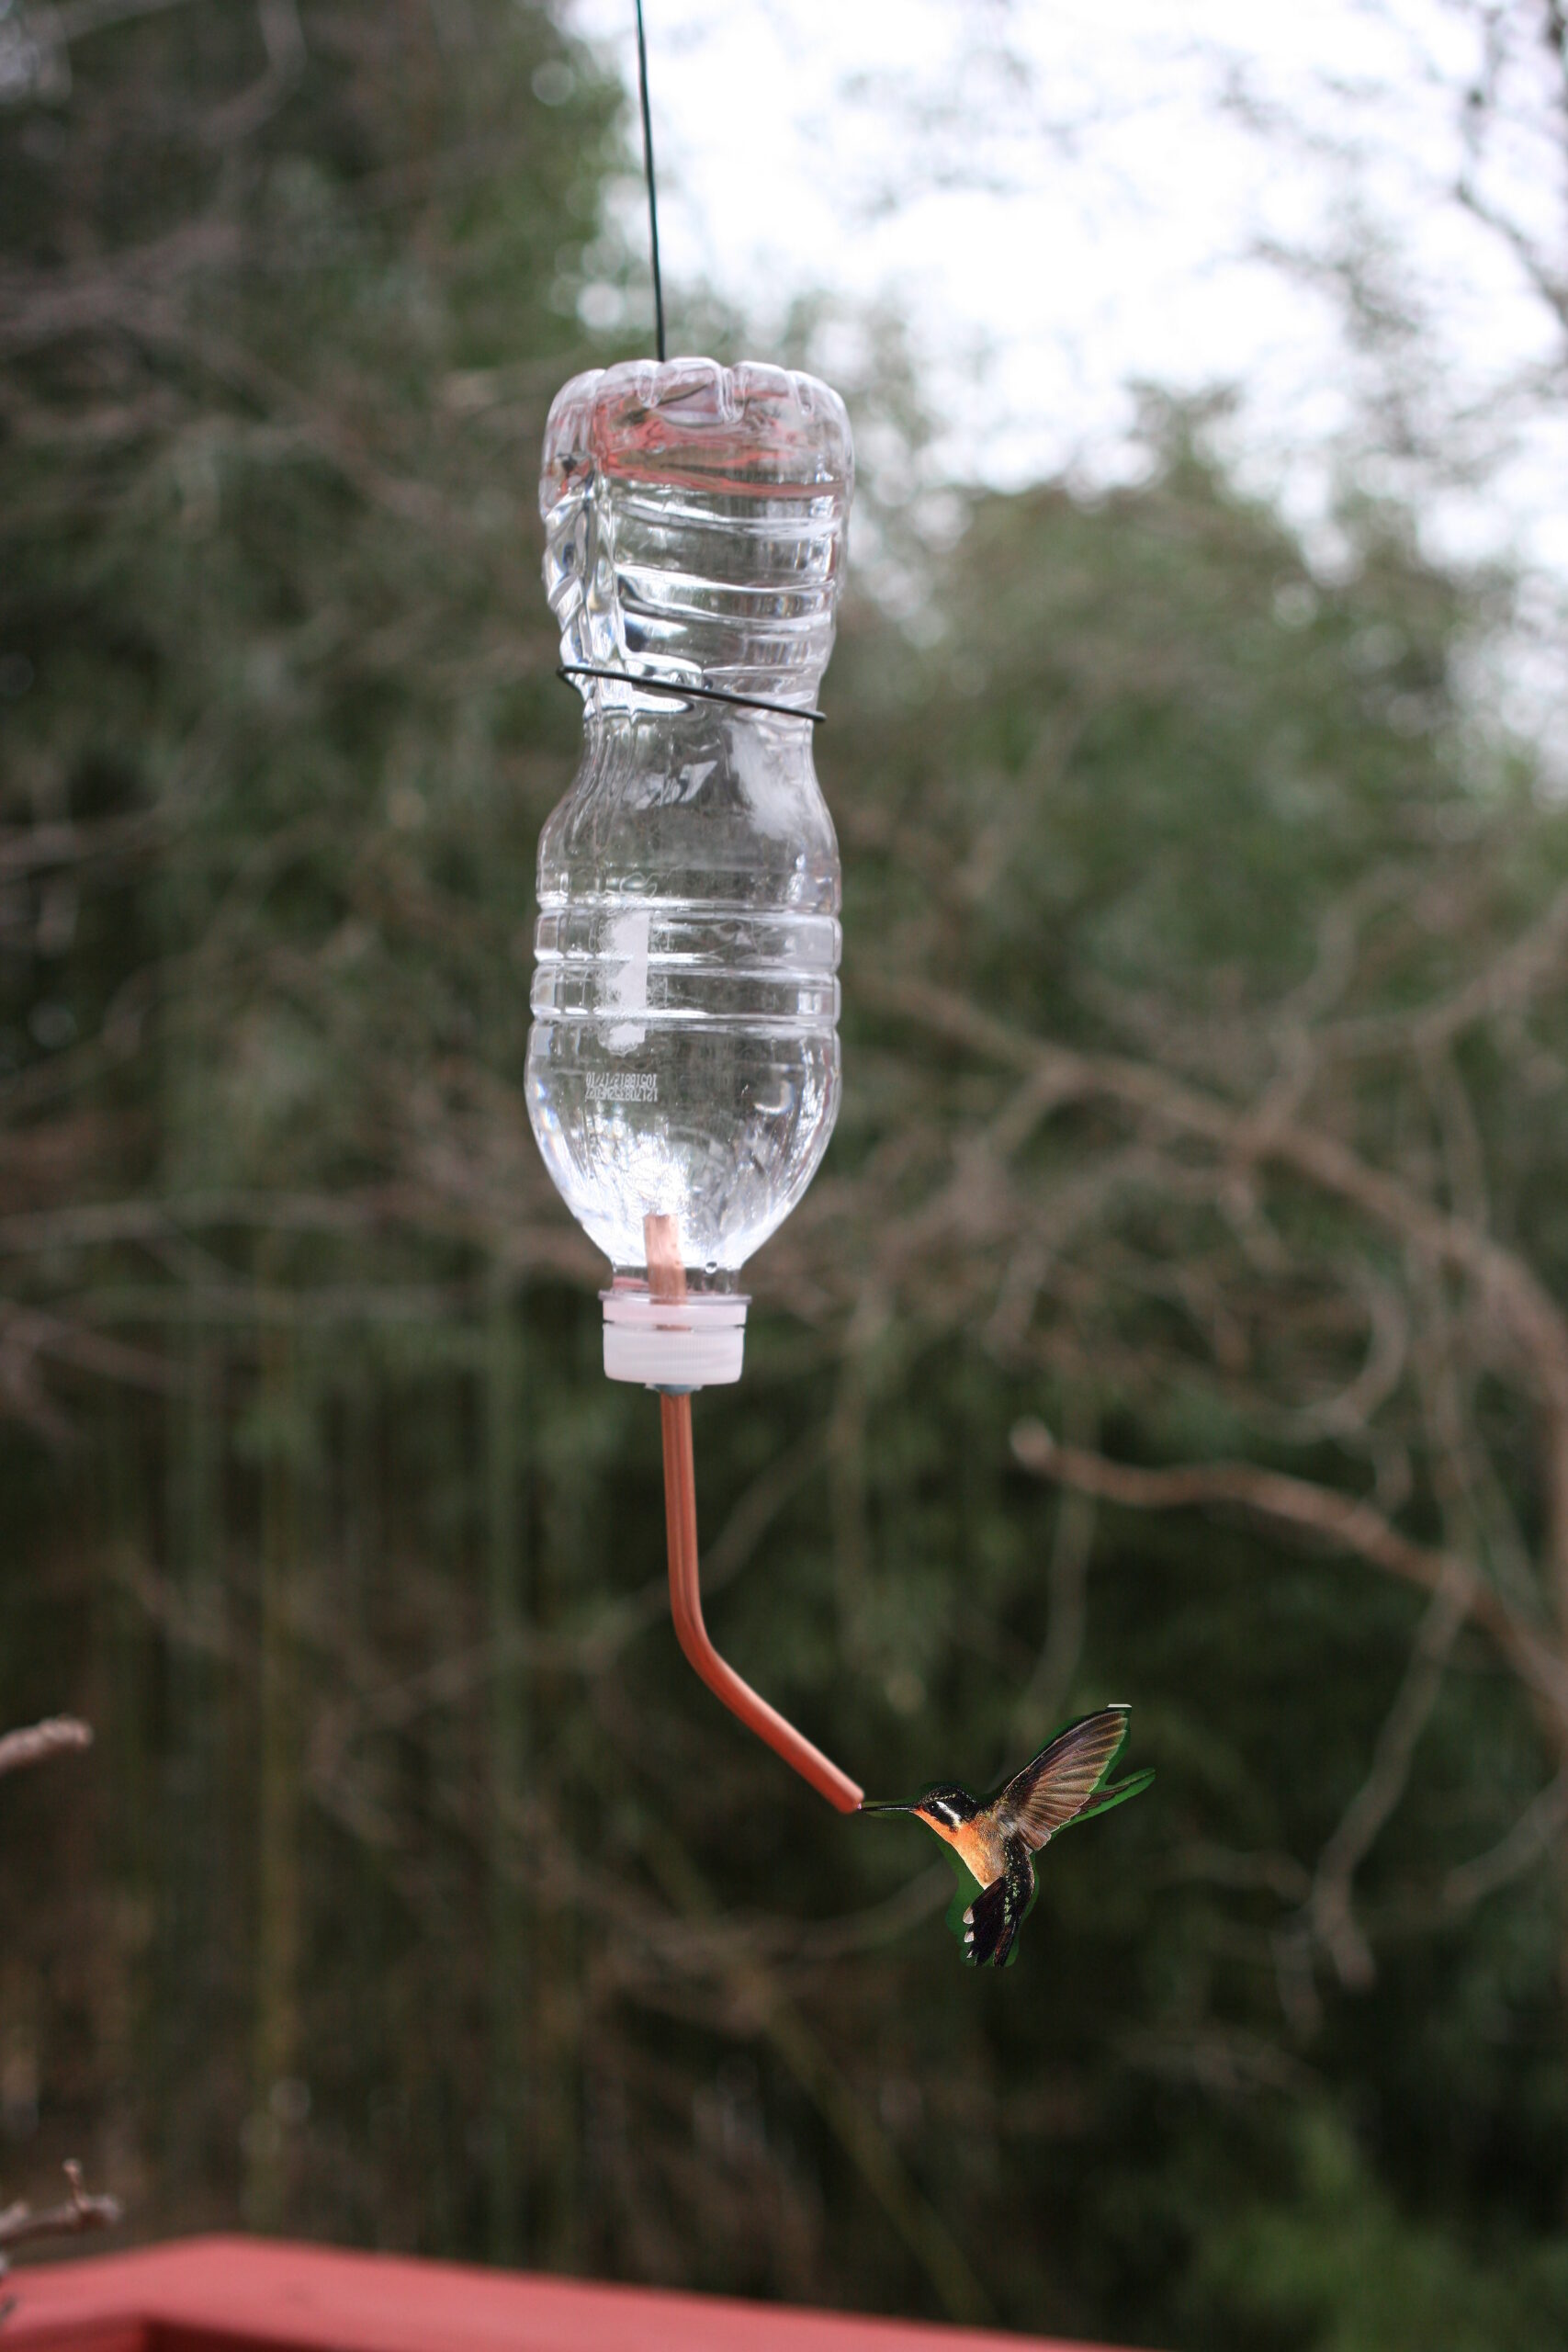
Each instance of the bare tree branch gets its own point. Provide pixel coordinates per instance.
(1336, 1519)
(1066, 1584)
(1329, 1909)
(1257, 1135)
(1551, 288)
(79, 2211)
(1533, 1835)
(56, 1735)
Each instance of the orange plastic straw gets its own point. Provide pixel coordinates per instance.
(666, 1279)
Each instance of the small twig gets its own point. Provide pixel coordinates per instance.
(1329, 1909)
(1537, 1829)
(79, 2211)
(54, 1736)
(1044, 1695)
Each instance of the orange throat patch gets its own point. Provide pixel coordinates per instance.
(975, 1843)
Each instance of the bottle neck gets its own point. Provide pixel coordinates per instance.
(662, 735)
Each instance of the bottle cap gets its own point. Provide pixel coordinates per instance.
(694, 1342)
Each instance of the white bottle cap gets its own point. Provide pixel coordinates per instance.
(694, 1342)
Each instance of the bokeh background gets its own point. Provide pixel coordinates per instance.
(1177, 1317)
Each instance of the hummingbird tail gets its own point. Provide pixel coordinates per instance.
(992, 1921)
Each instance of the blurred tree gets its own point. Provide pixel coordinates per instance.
(1202, 1145)
(286, 294)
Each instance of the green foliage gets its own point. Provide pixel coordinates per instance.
(415, 1894)
(1335, 2268)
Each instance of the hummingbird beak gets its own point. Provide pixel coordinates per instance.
(873, 1804)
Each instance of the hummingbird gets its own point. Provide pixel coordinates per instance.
(997, 1842)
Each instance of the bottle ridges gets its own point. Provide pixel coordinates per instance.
(628, 958)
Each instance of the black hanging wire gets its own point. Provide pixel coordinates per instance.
(652, 191)
(569, 670)
(683, 689)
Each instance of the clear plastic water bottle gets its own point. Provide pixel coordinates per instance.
(683, 1063)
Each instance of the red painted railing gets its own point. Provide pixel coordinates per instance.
(242, 2295)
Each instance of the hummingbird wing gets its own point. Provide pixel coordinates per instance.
(1058, 1784)
(993, 1919)
(1112, 1793)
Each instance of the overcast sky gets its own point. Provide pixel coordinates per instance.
(1063, 197)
